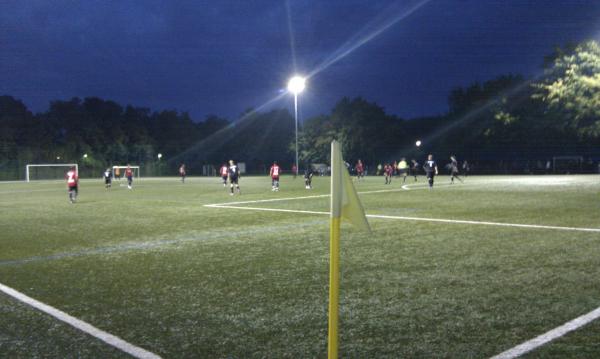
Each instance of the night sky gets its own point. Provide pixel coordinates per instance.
(222, 56)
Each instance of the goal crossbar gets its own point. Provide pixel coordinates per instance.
(27, 167)
(136, 171)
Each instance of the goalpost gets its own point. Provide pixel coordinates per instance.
(136, 171)
(53, 174)
(567, 164)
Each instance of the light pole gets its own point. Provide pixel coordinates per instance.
(295, 86)
(159, 156)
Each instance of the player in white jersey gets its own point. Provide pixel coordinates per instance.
(107, 175)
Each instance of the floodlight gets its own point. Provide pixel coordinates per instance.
(159, 156)
(85, 155)
(418, 143)
(296, 84)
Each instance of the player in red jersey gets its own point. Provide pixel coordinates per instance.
(275, 171)
(72, 184)
(224, 172)
(182, 172)
(389, 173)
(129, 175)
(360, 170)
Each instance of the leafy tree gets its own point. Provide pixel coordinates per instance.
(364, 129)
(571, 90)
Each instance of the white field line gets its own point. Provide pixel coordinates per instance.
(486, 223)
(403, 188)
(441, 220)
(549, 336)
(267, 200)
(265, 209)
(30, 190)
(108, 338)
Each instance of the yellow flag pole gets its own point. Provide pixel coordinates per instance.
(344, 203)
(334, 249)
(334, 288)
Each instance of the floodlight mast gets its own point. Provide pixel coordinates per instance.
(296, 85)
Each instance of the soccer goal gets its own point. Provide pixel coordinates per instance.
(567, 164)
(44, 171)
(118, 172)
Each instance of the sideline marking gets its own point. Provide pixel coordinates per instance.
(486, 223)
(455, 221)
(108, 338)
(549, 336)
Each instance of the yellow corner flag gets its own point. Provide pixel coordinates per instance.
(344, 204)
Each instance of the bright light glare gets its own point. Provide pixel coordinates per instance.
(418, 143)
(159, 156)
(85, 155)
(296, 84)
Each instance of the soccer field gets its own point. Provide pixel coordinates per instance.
(468, 270)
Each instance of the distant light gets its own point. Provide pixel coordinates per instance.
(296, 84)
(159, 156)
(85, 155)
(58, 157)
(418, 143)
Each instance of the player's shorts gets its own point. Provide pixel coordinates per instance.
(107, 180)
(275, 178)
(73, 188)
(233, 180)
(403, 172)
(224, 178)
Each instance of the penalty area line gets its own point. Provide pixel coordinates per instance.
(422, 219)
(549, 336)
(403, 188)
(106, 337)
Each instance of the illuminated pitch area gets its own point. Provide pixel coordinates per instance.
(437, 277)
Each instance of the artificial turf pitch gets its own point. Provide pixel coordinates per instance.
(158, 269)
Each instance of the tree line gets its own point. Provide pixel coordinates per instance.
(503, 119)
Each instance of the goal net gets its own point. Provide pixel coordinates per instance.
(118, 172)
(567, 164)
(43, 171)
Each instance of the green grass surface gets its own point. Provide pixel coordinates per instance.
(155, 267)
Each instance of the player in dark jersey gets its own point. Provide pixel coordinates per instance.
(107, 175)
(72, 184)
(308, 175)
(431, 170)
(454, 170)
(234, 177)
(414, 168)
(224, 172)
